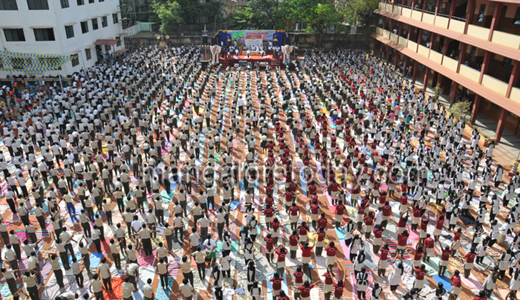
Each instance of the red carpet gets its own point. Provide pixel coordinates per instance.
(117, 289)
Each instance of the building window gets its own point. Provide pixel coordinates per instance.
(108, 48)
(481, 13)
(8, 5)
(53, 63)
(75, 60)
(507, 63)
(64, 3)
(101, 0)
(20, 63)
(88, 54)
(69, 30)
(95, 25)
(517, 17)
(118, 44)
(80, 2)
(91, 1)
(114, 18)
(44, 34)
(37, 4)
(104, 21)
(14, 35)
(84, 27)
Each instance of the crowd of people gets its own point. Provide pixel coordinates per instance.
(336, 179)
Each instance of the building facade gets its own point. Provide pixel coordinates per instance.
(82, 29)
(469, 48)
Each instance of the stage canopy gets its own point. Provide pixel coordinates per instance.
(251, 37)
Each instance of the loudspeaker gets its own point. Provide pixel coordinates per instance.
(214, 41)
(204, 40)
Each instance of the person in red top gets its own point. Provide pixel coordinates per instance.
(429, 245)
(306, 258)
(331, 254)
(294, 214)
(438, 228)
(419, 252)
(383, 260)
(456, 285)
(469, 259)
(328, 286)
(340, 211)
(312, 188)
(445, 260)
(280, 263)
(282, 296)
(455, 246)
(419, 277)
(481, 296)
(338, 289)
(305, 290)
(294, 240)
(322, 221)
(288, 200)
(369, 225)
(315, 212)
(320, 241)
(277, 284)
(275, 225)
(298, 281)
(378, 239)
(269, 247)
(269, 213)
(303, 230)
(402, 241)
(387, 213)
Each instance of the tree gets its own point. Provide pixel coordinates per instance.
(359, 12)
(258, 14)
(461, 110)
(320, 15)
(170, 14)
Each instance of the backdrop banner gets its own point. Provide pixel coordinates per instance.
(251, 37)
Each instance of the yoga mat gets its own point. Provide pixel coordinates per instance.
(445, 281)
(117, 289)
(95, 259)
(145, 273)
(143, 260)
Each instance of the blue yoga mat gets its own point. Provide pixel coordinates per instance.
(95, 259)
(445, 281)
(234, 205)
(270, 285)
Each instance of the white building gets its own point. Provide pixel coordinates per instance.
(83, 28)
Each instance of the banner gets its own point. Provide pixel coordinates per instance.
(227, 37)
(29, 62)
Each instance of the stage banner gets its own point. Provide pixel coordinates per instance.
(252, 37)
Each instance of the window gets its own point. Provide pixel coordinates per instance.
(80, 2)
(64, 3)
(8, 5)
(14, 35)
(20, 63)
(95, 24)
(104, 21)
(507, 63)
(481, 13)
(114, 18)
(108, 48)
(101, 0)
(44, 34)
(52, 63)
(37, 4)
(69, 30)
(84, 27)
(517, 17)
(75, 60)
(91, 1)
(118, 44)
(88, 54)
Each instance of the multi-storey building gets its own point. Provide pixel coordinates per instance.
(82, 29)
(470, 48)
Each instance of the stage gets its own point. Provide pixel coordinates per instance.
(234, 59)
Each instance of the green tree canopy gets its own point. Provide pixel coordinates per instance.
(258, 14)
(359, 12)
(170, 14)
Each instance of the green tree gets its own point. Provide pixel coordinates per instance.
(359, 12)
(258, 14)
(170, 14)
(320, 15)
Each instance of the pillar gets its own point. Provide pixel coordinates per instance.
(453, 92)
(396, 58)
(388, 54)
(485, 66)
(500, 126)
(514, 77)
(452, 10)
(476, 106)
(497, 16)
(425, 79)
(414, 76)
(405, 69)
(470, 11)
(439, 79)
